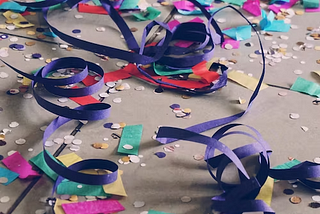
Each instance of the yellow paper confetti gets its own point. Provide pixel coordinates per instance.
(58, 208)
(115, 188)
(17, 21)
(265, 193)
(69, 159)
(245, 80)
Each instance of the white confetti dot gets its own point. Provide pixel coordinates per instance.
(4, 199)
(294, 116)
(13, 124)
(27, 96)
(127, 146)
(117, 100)
(20, 141)
(58, 141)
(49, 143)
(297, 72)
(139, 204)
(185, 199)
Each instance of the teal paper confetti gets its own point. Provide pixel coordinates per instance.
(41, 164)
(310, 3)
(287, 165)
(239, 33)
(164, 71)
(129, 4)
(131, 135)
(6, 173)
(151, 14)
(156, 212)
(268, 23)
(306, 86)
(235, 2)
(10, 5)
(67, 187)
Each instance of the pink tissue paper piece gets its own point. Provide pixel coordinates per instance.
(93, 207)
(287, 5)
(186, 44)
(253, 7)
(312, 10)
(235, 44)
(173, 24)
(186, 5)
(18, 164)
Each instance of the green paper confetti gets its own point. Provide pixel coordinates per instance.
(152, 13)
(67, 187)
(164, 71)
(235, 2)
(310, 3)
(306, 86)
(41, 164)
(287, 165)
(131, 135)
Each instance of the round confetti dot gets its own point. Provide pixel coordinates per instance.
(282, 93)
(138, 204)
(3, 143)
(63, 100)
(49, 143)
(14, 39)
(134, 158)
(76, 31)
(314, 205)
(143, 164)
(3, 180)
(79, 186)
(77, 142)
(100, 29)
(20, 141)
(316, 198)
(160, 154)
(297, 72)
(74, 148)
(117, 100)
(115, 126)
(127, 147)
(185, 199)
(13, 124)
(4, 199)
(36, 55)
(317, 160)
(139, 88)
(295, 200)
(30, 150)
(228, 47)
(294, 116)
(104, 95)
(288, 191)
(27, 96)
(221, 20)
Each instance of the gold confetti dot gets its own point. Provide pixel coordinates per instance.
(164, 3)
(9, 21)
(69, 48)
(310, 28)
(73, 198)
(299, 12)
(122, 124)
(125, 159)
(48, 60)
(186, 110)
(318, 61)
(133, 29)
(317, 48)
(31, 33)
(120, 88)
(185, 96)
(31, 43)
(3, 26)
(41, 36)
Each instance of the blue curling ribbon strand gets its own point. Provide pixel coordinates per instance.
(236, 198)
